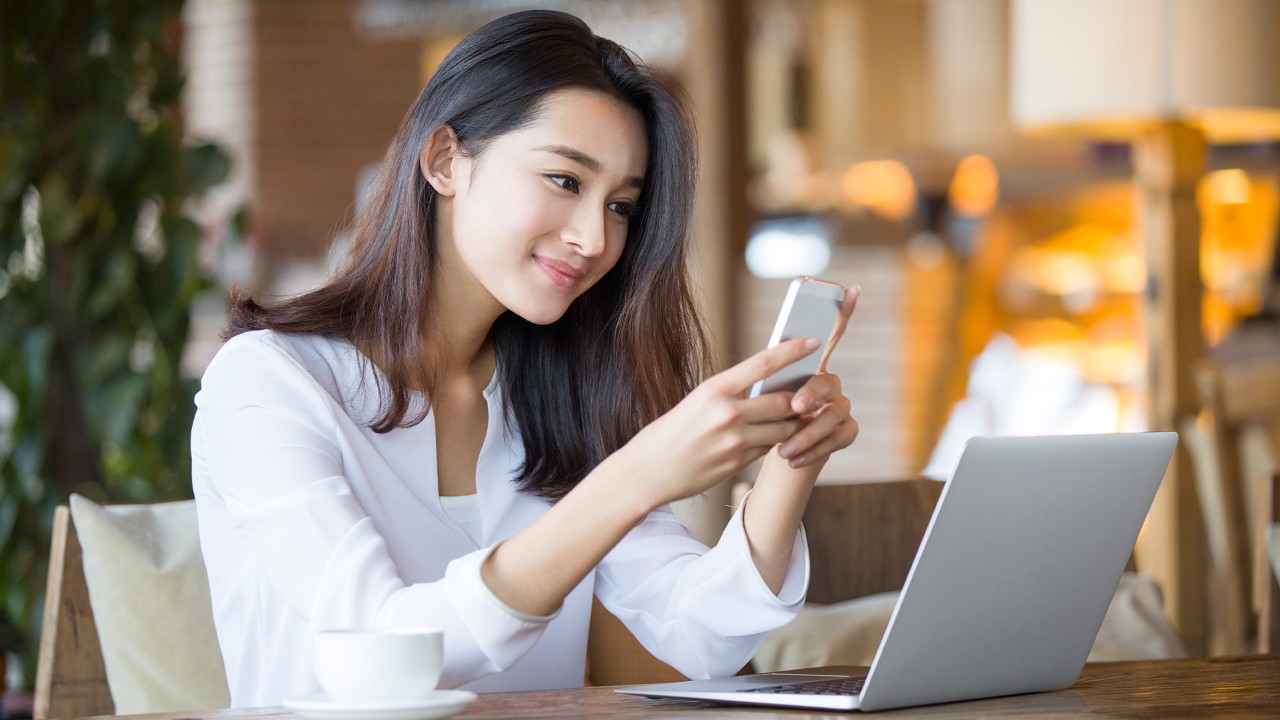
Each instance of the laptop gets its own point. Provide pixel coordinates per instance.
(1009, 587)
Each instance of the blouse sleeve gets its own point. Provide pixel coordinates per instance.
(274, 452)
(702, 611)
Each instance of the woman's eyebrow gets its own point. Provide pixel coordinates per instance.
(586, 161)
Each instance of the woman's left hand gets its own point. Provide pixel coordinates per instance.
(821, 403)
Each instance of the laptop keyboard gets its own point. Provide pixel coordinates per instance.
(844, 686)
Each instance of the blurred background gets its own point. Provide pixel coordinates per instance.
(1057, 212)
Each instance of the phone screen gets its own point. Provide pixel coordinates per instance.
(810, 309)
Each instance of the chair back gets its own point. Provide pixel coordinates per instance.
(71, 680)
(615, 657)
(863, 536)
(1234, 445)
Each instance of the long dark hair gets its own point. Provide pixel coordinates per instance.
(624, 353)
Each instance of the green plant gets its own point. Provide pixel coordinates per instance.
(98, 269)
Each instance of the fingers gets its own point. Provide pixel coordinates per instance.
(819, 389)
(830, 430)
(765, 435)
(851, 295)
(842, 438)
(739, 378)
(767, 408)
(847, 307)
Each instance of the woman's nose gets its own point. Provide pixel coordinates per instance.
(586, 232)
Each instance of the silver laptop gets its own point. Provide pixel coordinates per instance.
(1009, 587)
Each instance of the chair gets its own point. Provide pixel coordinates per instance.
(1233, 445)
(71, 680)
(128, 625)
(615, 657)
(1266, 569)
(864, 536)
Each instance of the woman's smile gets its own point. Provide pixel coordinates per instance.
(561, 273)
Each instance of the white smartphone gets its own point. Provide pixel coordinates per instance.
(810, 309)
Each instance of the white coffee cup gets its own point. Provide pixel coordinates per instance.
(379, 666)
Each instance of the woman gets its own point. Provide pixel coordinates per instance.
(481, 419)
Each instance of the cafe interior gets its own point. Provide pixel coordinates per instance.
(1062, 216)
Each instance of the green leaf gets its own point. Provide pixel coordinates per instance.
(37, 348)
(59, 218)
(11, 171)
(118, 413)
(208, 165)
(116, 284)
(8, 518)
(104, 359)
(28, 456)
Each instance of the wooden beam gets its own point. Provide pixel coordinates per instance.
(1168, 162)
(714, 74)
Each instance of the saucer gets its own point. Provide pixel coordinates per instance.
(441, 703)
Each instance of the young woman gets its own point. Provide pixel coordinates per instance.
(480, 421)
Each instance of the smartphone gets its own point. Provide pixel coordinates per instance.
(810, 309)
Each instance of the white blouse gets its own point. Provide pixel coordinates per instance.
(464, 511)
(310, 520)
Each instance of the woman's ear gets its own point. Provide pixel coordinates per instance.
(438, 160)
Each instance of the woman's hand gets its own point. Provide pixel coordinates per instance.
(776, 504)
(821, 403)
(828, 426)
(716, 431)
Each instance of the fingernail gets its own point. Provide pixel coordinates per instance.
(812, 343)
(797, 462)
(787, 450)
(800, 402)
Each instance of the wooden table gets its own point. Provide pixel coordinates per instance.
(1237, 687)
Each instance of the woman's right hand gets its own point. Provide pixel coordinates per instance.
(716, 430)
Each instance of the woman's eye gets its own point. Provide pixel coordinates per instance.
(624, 208)
(566, 182)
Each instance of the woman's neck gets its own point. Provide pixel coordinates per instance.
(464, 328)
(465, 310)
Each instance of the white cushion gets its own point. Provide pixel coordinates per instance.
(844, 633)
(848, 633)
(1135, 627)
(150, 599)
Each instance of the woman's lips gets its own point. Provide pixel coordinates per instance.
(561, 273)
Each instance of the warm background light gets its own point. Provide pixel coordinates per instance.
(1238, 221)
(885, 187)
(975, 187)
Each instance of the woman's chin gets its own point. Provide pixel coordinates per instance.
(540, 316)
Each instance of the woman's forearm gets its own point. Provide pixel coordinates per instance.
(534, 570)
(773, 512)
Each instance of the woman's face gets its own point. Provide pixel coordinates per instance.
(542, 213)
